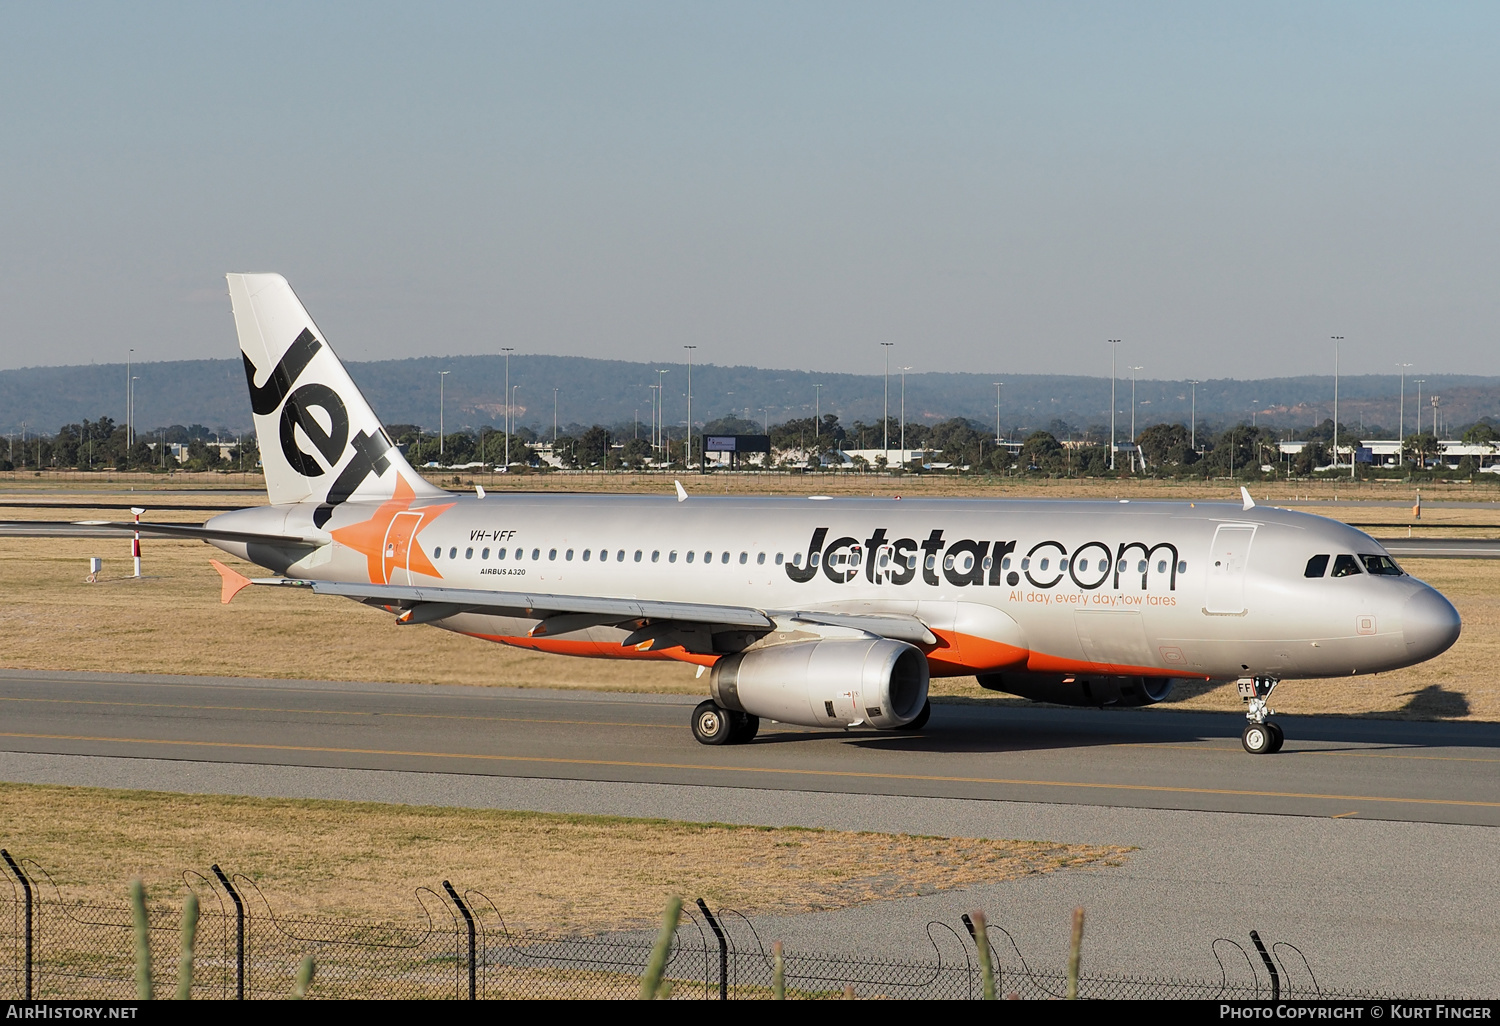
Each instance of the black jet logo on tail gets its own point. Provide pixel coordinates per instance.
(331, 442)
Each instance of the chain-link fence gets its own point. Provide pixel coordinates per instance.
(459, 947)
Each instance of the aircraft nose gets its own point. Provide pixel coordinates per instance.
(1429, 624)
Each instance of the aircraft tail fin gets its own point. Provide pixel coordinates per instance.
(319, 439)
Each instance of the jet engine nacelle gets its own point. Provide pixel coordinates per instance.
(837, 682)
(1077, 689)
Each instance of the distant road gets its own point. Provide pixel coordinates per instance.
(1373, 769)
(1442, 548)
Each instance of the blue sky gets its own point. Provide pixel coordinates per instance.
(991, 187)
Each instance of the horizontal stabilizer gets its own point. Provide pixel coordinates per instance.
(234, 582)
(113, 529)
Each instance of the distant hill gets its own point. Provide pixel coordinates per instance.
(614, 392)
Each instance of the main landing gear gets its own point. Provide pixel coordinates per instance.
(715, 725)
(1261, 736)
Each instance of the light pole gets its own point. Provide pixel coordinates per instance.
(1336, 340)
(661, 407)
(1193, 417)
(689, 460)
(1132, 416)
(554, 422)
(510, 406)
(886, 420)
(507, 350)
(1401, 420)
(441, 376)
(817, 411)
(997, 385)
(905, 455)
(1114, 359)
(1434, 420)
(652, 389)
(129, 398)
(131, 433)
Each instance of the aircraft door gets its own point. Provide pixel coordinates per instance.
(399, 538)
(1227, 560)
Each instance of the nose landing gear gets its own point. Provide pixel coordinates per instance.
(1261, 736)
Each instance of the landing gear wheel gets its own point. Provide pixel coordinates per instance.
(1258, 739)
(1278, 738)
(712, 725)
(743, 728)
(922, 718)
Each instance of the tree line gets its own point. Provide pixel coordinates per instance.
(1059, 450)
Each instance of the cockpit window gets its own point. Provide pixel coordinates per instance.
(1382, 566)
(1317, 566)
(1345, 566)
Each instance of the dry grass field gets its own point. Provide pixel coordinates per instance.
(172, 622)
(544, 870)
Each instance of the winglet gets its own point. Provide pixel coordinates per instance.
(1245, 494)
(479, 490)
(681, 491)
(234, 582)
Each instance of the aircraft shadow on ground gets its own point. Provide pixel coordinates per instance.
(957, 729)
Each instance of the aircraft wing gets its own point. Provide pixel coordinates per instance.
(533, 605)
(562, 613)
(114, 528)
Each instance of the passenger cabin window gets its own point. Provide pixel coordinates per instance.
(1381, 566)
(1345, 566)
(620, 556)
(672, 556)
(1316, 567)
(453, 553)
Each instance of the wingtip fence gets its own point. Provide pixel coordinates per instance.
(456, 945)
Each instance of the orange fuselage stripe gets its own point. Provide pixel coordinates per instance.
(955, 655)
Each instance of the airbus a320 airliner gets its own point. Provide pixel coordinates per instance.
(813, 611)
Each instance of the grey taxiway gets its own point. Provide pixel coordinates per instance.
(1370, 844)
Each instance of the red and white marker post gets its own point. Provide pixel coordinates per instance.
(135, 544)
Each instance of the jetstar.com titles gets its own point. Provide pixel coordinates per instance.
(966, 562)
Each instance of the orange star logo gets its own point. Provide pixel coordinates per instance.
(389, 538)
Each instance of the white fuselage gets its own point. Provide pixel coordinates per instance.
(1180, 589)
